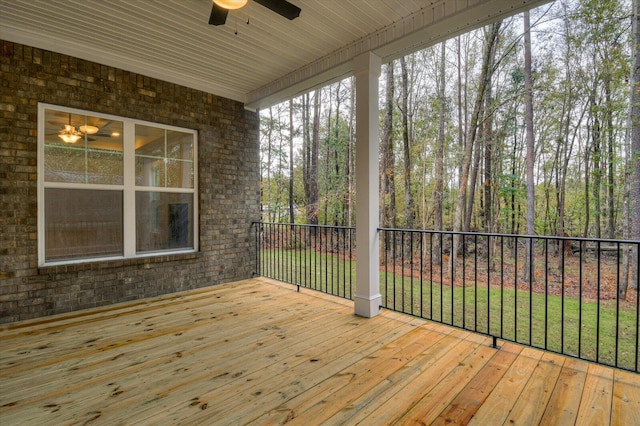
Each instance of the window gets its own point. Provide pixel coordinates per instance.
(112, 187)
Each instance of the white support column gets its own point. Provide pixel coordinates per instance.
(367, 296)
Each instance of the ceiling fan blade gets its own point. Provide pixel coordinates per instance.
(281, 7)
(218, 15)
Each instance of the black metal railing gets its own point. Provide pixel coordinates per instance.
(312, 256)
(560, 294)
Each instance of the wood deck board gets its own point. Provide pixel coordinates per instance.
(534, 398)
(626, 398)
(565, 400)
(427, 410)
(258, 352)
(595, 407)
(462, 409)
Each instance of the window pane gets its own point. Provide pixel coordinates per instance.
(63, 164)
(149, 141)
(104, 167)
(149, 171)
(83, 149)
(105, 163)
(179, 174)
(163, 221)
(180, 159)
(179, 145)
(150, 155)
(164, 158)
(82, 223)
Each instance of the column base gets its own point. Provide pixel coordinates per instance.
(368, 307)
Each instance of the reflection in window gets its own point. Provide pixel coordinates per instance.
(83, 223)
(83, 149)
(164, 158)
(163, 221)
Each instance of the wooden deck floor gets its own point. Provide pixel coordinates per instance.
(257, 352)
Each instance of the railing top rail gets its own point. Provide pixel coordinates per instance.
(470, 233)
(305, 225)
(489, 234)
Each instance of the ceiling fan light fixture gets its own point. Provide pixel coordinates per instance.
(69, 134)
(90, 130)
(230, 4)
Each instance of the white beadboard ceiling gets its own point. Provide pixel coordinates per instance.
(267, 61)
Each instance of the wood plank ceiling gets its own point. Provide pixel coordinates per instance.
(260, 63)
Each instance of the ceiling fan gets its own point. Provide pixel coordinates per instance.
(71, 134)
(221, 8)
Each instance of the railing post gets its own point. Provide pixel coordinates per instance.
(367, 297)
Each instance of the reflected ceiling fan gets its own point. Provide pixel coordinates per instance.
(221, 9)
(71, 134)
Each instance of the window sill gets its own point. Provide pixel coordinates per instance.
(94, 265)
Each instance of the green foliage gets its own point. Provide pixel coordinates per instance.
(581, 64)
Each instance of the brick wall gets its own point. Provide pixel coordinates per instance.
(228, 184)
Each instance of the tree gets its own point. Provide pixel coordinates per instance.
(291, 132)
(635, 137)
(438, 192)
(311, 149)
(528, 102)
(387, 184)
(490, 43)
(406, 143)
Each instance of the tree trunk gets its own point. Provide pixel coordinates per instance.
(596, 136)
(587, 195)
(291, 131)
(489, 153)
(325, 201)
(491, 38)
(610, 159)
(270, 217)
(306, 150)
(627, 250)
(387, 186)
(529, 159)
(312, 206)
(514, 181)
(338, 219)
(406, 143)
(438, 193)
(349, 165)
(635, 138)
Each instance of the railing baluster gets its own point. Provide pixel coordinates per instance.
(411, 267)
(475, 282)
(580, 301)
(386, 267)
(300, 262)
(515, 284)
(598, 303)
(421, 242)
(562, 283)
(531, 276)
(488, 238)
(502, 286)
(431, 272)
(637, 348)
(617, 302)
(546, 294)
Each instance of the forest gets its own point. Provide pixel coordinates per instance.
(520, 127)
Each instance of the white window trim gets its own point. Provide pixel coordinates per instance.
(129, 188)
